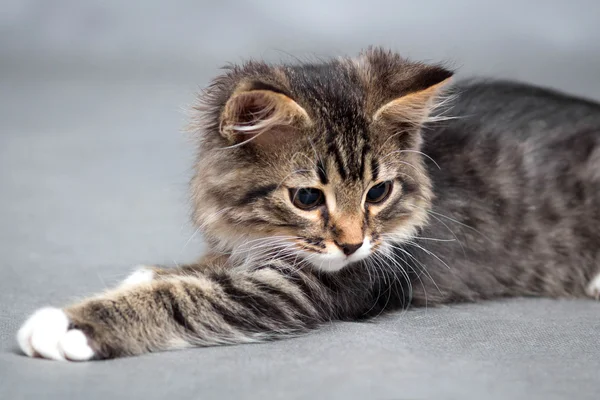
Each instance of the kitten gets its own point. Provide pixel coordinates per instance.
(343, 189)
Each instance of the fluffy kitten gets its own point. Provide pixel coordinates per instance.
(340, 190)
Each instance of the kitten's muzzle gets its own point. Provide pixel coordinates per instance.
(349, 249)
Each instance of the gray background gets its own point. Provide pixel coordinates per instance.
(94, 170)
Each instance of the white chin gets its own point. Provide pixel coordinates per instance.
(332, 262)
(329, 265)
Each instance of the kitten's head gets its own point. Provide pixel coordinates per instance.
(316, 161)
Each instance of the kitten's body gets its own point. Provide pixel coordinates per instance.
(518, 188)
(500, 200)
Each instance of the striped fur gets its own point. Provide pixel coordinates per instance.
(203, 305)
(502, 201)
(197, 309)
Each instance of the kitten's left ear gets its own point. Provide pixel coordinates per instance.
(415, 106)
(263, 116)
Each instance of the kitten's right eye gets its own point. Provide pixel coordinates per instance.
(307, 198)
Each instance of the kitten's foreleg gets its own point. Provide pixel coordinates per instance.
(176, 311)
(147, 273)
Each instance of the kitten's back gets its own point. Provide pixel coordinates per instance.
(517, 188)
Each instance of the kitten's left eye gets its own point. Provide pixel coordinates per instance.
(379, 192)
(307, 198)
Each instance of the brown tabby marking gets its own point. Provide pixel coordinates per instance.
(336, 191)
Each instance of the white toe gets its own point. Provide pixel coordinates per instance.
(593, 288)
(74, 346)
(42, 331)
(24, 335)
(142, 274)
(46, 333)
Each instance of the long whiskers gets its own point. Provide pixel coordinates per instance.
(413, 151)
(454, 220)
(423, 268)
(428, 252)
(418, 272)
(434, 216)
(390, 285)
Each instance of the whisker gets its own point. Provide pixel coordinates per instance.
(423, 154)
(391, 164)
(446, 226)
(418, 274)
(455, 221)
(422, 266)
(430, 253)
(269, 240)
(403, 271)
(389, 288)
(290, 174)
(375, 267)
(389, 236)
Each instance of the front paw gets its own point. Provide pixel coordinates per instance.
(46, 334)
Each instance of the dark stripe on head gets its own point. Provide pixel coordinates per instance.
(339, 162)
(321, 172)
(255, 194)
(363, 160)
(374, 169)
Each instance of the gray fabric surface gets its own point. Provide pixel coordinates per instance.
(93, 179)
(517, 349)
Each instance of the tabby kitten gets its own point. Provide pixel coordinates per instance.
(340, 190)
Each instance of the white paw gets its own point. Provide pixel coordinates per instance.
(46, 333)
(593, 288)
(142, 274)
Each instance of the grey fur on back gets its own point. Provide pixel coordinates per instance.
(518, 190)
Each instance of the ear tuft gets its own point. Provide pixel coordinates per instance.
(401, 90)
(250, 114)
(413, 108)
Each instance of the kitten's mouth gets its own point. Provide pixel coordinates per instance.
(334, 260)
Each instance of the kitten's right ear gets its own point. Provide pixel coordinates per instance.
(413, 108)
(260, 115)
